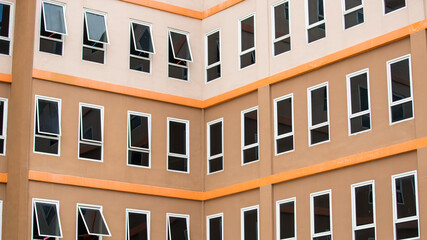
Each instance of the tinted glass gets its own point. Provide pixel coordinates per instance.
(178, 228)
(50, 46)
(401, 111)
(215, 228)
(46, 145)
(360, 123)
(4, 47)
(284, 116)
(139, 131)
(215, 164)
(93, 55)
(315, 11)
(177, 164)
(250, 224)
(247, 34)
(91, 124)
(354, 18)
(319, 106)
(250, 127)
(138, 158)
(364, 205)
(365, 234)
(138, 64)
(407, 230)
(48, 219)
(250, 154)
(48, 113)
(178, 72)
(287, 220)
(316, 33)
(322, 213)
(82, 233)
(349, 4)
(319, 135)
(181, 47)
(213, 48)
(281, 20)
(247, 59)
(90, 151)
(94, 221)
(285, 144)
(177, 137)
(400, 80)
(392, 5)
(138, 228)
(327, 237)
(4, 18)
(142, 37)
(215, 138)
(405, 197)
(282, 46)
(213, 73)
(54, 18)
(96, 27)
(359, 93)
(1, 117)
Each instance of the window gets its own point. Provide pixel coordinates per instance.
(363, 210)
(5, 27)
(46, 221)
(286, 219)
(91, 223)
(353, 13)
(52, 28)
(214, 227)
(215, 146)
(47, 130)
(393, 5)
(141, 47)
(284, 124)
(321, 215)
(281, 28)
(137, 225)
(250, 152)
(405, 206)
(179, 54)
(91, 129)
(318, 115)
(3, 125)
(247, 41)
(178, 145)
(359, 113)
(249, 223)
(1, 216)
(316, 24)
(178, 226)
(213, 56)
(95, 36)
(400, 89)
(139, 130)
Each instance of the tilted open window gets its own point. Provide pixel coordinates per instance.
(91, 129)
(47, 131)
(141, 47)
(46, 221)
(139, 125)
(95, 36)
(179, 55)
(52, 28)
(91, 223)
(178, 226)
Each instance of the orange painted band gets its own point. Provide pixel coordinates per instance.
(5, 77)
(233, 189)
(3, 177)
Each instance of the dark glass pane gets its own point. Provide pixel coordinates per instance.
(96, 27)
(319, 135)
(316, 33)
(139, 131)
(406, 197)
(287, 220)
(213, 48)
(215, 138)
(138, 158)
(349, 4)
(48, 116)
(364, 205)
(250, 127)
(178, 72)
(327, 237)
(82, 233)
(360, 123)
(142, 38)
(407, 230)
(177, 137)
(172, 59)
(94, 221)
(90, 151)
(181, 46)
(178, 164)
(91, 123)
(4, 18)
(401, 111)
(284, 116)
(1, 117)
(2, 147)
(138, 64)
(354, 18)
(392, 5)
(93, 55)
(247, 59)
(282, 46)
(319, 106)
(138, 226)
(48, 220)
(46, 145)
(45, 33)
(285, 144)
(247, 34)
(54, 18)
(213, 73)
(215, 165)
(365, 234)
(50, 46)
(215, 228)
(133, 50)
(315, 11)
(359, 93)
(4, 47)
(251, 224)
(281, 20)
(322, 217)
(250, 155)
(178, 228)
(400, 80)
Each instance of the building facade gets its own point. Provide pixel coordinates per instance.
(214, 119)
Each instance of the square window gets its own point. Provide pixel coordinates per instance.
(353, 13)
(46, 221)
(91, 127)
(178, 145)
(281, 28)
(318, 114)
(249, 223)
(247, 41)
(250, 142)
(95, 36)
(213, 56)
(3, 125)
(91, 223)
(5, 27)
(47, 130)
(359, 113)
(137, 224)
(286, 219)
(178, 226)
(179, 55)
(214, 227)
(321, 215)
(284, 124)
(215, 146)
(141, 47)
(393, 5)
(363, 210)
(52, 28)
(316, 24)
(139, 129)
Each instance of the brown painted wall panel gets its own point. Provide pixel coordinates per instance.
(4, 93)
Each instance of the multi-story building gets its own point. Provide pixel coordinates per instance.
(213, 119)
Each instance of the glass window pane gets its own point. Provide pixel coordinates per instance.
(406, 197)
(407, 230)
(139, 131)
(50, 46)
(93, 55)
(284, 116)
(177, 164)
(138, 227)
(322, 218)
(360, 123)
(247, 34)
(138, 158)
(94, 221)
(215, 165)
(287, 220)
(48, 113)
(349, 4)
(181, 47)
(4, 46)
(213, 73)
(4, 18)
(2, 115)
(364, 205)
(178, 228)
(142, 37)
(247, 59)
(327, 237)
(90, 151)
(316, 33)
(215, 138)
(213, 48)
(354, 18)
(359, 93)
(48, 219)
(46, 145)
(91, 124)
(251, 224)
(138, 64)
(285, 144)
(319, 106)
(177, 137)
(54, 18)
(392, 5)
(215, 228)
(315, 11)
(250, 154)
(178, 72)
(250, 127)
(282, 46)
(365, 234)
(401, 111)
(96, 27)
(400, 80)
(319, 135)
(281, 20)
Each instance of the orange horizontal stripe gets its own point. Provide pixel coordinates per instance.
(3, 177)
(5, 77)
(233, 189)
(220, 7)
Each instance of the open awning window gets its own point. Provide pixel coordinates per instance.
(48, 117)
(54, 18)
(142, 38)
(96, 27)
(47, 219)
(94, 221)
(180, 46)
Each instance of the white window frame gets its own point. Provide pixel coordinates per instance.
(48, 201)
(208, 229)
(285, 135)
(241, 53)
(208, 150)
(242, 134)
(207, 66)
(327, 123)
(147, 213)
(4, 127)
(59, 4)
(94, 207)
(104, 47)
(312, 196)
(187, 35)
(242, 220)
(187, 139)
(137, 149)
(36, 117)
(353, 208)
(187, 65)
(349, 106)
(396, 220)
(187, 219)
(11, 27)
(278, 223)
(351, 10)
(105, 21)
(131, 33)
(273, 29)
(42, 17)
(1, 217)
(384, 13)
(390, 90)
(91, 142)
(309, 26)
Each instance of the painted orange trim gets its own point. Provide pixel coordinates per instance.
(5, 77)
(114, 88)
(220, 7)
(233, 189)
(3, 177)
